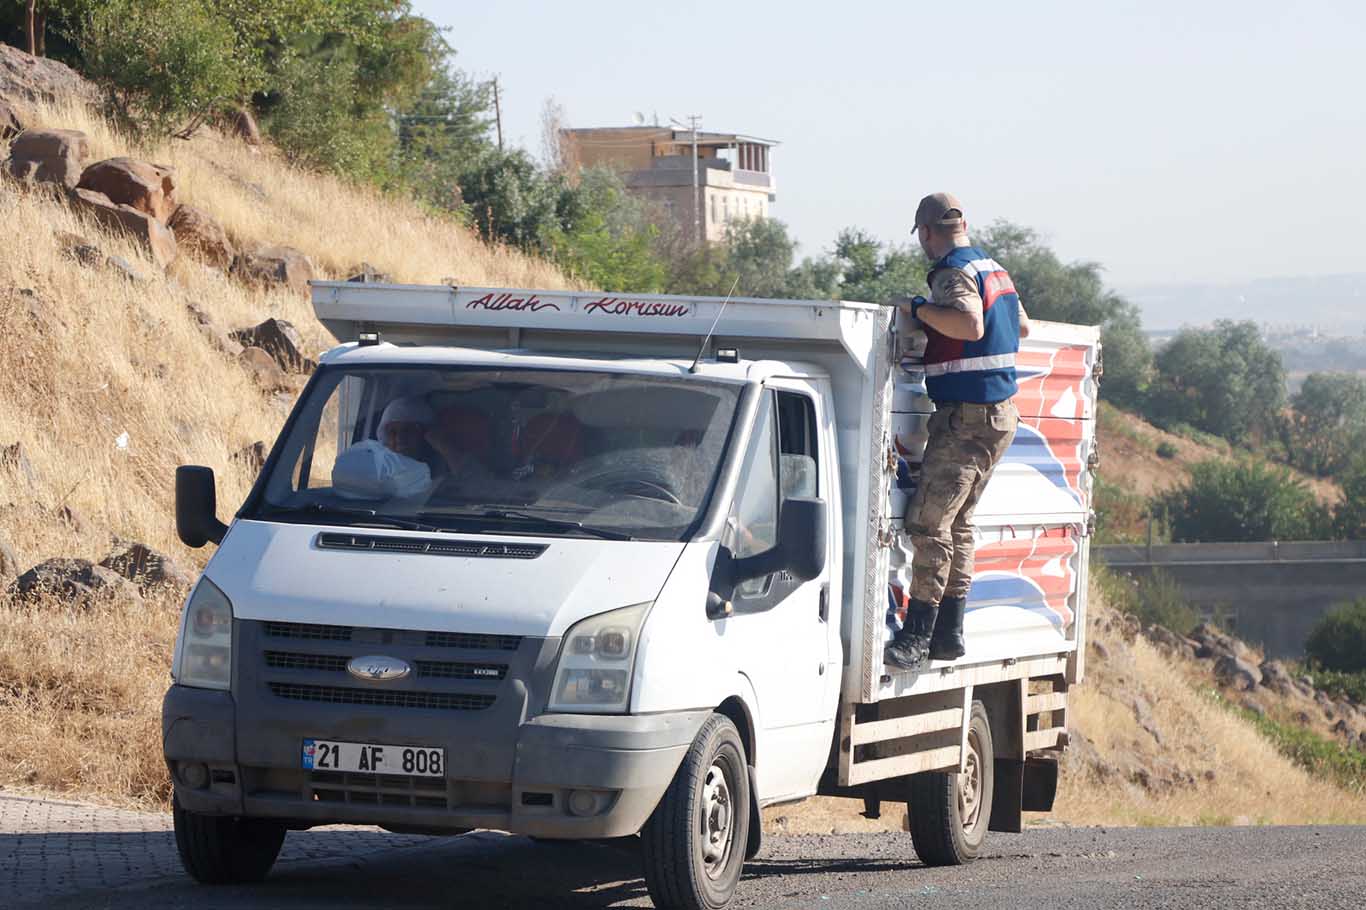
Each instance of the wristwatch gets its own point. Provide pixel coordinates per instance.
(916, 303)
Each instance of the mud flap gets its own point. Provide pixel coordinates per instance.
(756, 821)
(1040, 784)
(1007, 801)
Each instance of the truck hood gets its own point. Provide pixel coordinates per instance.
(273, 571)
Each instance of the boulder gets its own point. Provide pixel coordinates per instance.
(79, 249)
(1168, 641)
(270, 267)
(243, 126)
(124, 269)
(27, 77)
(9, 560)
(149, 188)
(1276, 677)
(280, 340)
(11, 124)
(14, 461)
(76, 580)
(263, 369)
(146, 567)
(49, 156)
(156, 237)
(1234, 671)
(197, 233)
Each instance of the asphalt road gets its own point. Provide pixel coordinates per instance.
(129, 862)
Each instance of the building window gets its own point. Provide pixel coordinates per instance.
(725, 208)
(713, 210)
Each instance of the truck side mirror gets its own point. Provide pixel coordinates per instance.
(801, 544)
(196, 506)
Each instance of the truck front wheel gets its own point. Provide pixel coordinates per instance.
(949, 812)
(694, 842)
(225, 850)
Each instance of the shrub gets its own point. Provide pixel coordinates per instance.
(1243, 500)
(1338, 640)
(164, 64)
(1155, 600)
(1166, 449)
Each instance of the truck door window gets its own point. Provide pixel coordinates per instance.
(798, 453)
(755, 521)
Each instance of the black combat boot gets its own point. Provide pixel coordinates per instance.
(947, 642)
(910, 649)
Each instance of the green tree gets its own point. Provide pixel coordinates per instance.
(759, 252)
(510, 200)
(875, 273)
(1327, 425)
(1224, 380)
(1338, 640)
(1243, 501)
(443, 133)
(165, 65)
(607, 235)
(1349, 515)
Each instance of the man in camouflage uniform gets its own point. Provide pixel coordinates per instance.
(973, 321)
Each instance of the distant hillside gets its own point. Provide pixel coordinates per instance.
(1332, 302)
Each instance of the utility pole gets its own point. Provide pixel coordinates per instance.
(695, 120)
(498, 112)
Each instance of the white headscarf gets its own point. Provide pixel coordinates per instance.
(410, 409)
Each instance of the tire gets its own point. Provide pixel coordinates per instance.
(224, 849)
(939, 801)
(694, 843)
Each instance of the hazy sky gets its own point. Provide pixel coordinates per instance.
(1203, 141)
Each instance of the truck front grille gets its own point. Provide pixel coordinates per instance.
(343, 695)
(430, 669)
(308, 631)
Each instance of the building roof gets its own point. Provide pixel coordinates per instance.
(704, 137)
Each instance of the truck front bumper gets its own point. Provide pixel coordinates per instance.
(572, 775)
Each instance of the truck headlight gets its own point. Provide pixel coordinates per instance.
(597, 655)
(204, 650)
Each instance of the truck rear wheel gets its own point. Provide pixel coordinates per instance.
(225, 850)
(949, 812)
(694, 843)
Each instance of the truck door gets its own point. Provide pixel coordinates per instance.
(781, 625)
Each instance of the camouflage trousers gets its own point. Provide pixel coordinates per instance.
(965, 443)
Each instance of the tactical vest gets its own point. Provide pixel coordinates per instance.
(982, 371)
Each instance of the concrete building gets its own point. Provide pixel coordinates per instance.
(733, 176)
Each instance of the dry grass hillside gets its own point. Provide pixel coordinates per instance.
(1128, 451)
(87, 355)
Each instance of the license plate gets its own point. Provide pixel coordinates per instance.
(373, 758)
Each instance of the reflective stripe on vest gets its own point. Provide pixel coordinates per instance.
(970, 364)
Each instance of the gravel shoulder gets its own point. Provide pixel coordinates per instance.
(60, 854)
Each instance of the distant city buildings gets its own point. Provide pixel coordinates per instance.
(733, 179)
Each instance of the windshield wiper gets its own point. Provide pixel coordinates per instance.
(527, 518)
(369, 518)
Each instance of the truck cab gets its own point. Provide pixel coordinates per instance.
(558, 580)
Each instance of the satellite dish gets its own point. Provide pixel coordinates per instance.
(638, 118)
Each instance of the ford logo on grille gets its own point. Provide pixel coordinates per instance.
(378, 668)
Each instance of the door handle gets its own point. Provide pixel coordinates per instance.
(824, 607)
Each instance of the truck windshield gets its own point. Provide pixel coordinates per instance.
(516, 451)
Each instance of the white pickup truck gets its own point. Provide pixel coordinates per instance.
(582, 565)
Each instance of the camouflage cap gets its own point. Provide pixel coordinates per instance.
(939, 209)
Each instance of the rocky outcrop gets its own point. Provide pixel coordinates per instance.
(26, 77)
(11, 124)
(149, 188)
(201, 236)
(147, 568)
(49, 156)
(271, 267)
(76, 581)
(365, 273)
(263, 369)
(279, 339)
(252, 457)
(154, 236)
